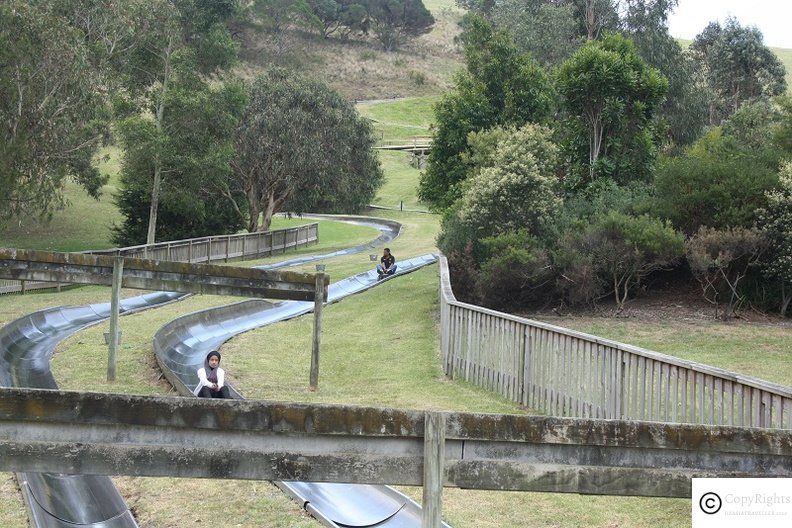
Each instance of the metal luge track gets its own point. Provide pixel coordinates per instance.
(26, 347)
(181, 346)
(61, 501)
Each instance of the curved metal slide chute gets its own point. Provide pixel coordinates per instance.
(61, 501)
(181, 346)
(389, 229)
(26, 346)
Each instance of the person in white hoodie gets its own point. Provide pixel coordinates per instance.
(211, 378)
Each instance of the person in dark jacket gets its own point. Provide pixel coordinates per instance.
(387, 265)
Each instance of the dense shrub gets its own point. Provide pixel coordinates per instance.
(614, 254)
(776, 220)
(696, 191)
(517, 273)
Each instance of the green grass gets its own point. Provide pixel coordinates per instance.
(12, 509)
(757, 349)
(399, 188)
(785, 56)
(84, 224)
(400, 120)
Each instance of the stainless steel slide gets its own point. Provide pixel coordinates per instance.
(181, 346)
(26, 346)
(59, 501)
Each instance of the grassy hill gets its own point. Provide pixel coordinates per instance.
(270, 362)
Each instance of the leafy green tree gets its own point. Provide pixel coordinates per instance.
(499, 87)
(782, 133)
(776, 221)
(300, 146)
(684, 110)
(611, 98)
(393, 21)
(340, 17)
(736, 66)
(183, 42)
(595, 17)
(51, 110)
(514, 187)
(272, 18)
(715, 183)
(195, 143)
(547, 30)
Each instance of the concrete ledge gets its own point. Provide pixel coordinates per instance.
(92, 433)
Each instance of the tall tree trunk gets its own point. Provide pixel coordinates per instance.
(591, 20)
(269, 210)
(155, 188)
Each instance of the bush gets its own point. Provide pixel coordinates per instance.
(615, 253)
(720, 259)
(578, 281)
(710, 186)
(516, 274)
(776, 221)
(514, 185)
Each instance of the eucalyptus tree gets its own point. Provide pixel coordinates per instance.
(300, 146)
(393, 21)
(195, 144)
(182, 42)
(547, 30)
(341, 18)
(684, 110)
(736, 66)
(51, 110)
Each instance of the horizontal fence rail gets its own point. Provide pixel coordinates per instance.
(199, 250)
(116, 434)
(160, 275)
(567, 373)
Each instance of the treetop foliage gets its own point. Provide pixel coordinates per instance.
(499, 87)
(736, 66)
(50, 109)
(300, 146)
(611, 97)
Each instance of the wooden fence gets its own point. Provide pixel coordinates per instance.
(566, 373)
(197, 250)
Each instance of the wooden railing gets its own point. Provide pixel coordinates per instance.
(562, 372)
(197, 250)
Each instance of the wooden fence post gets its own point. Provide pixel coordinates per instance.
(317, 330)
(434, 461)
(118, 271)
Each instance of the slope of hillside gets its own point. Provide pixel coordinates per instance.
(360, 69)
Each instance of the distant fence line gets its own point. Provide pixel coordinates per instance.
(567, 373)
(196, 250)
